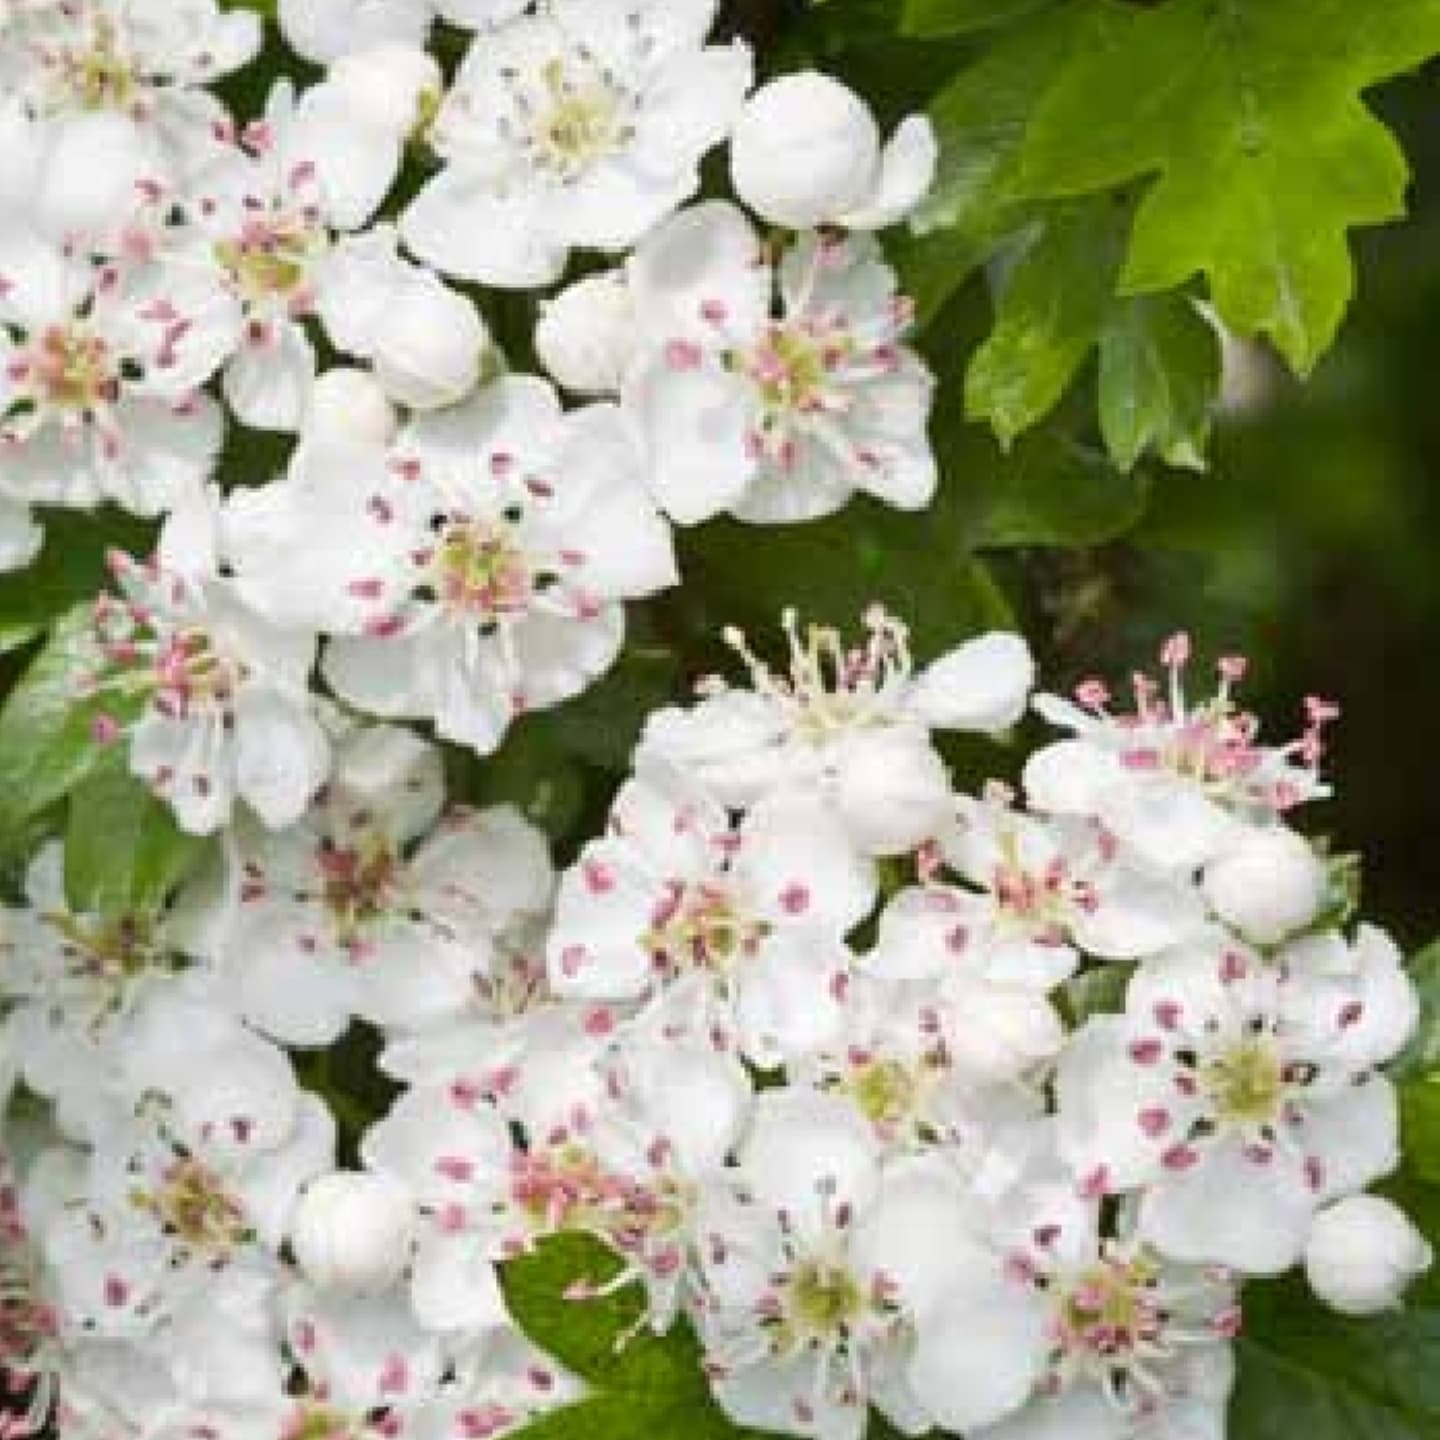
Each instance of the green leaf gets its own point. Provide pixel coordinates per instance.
(1052, 491)
(47, 746)
(648, 1385)
(602, 725)
(1250, 118)
(1159, 378)
(1051, 310)
(980, 120)
(589, 1336)
(1305, 1371)
(123, 850)
(955, 17)
(69, 569)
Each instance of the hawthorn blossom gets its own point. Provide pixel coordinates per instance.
(852, 723)
(739, 931)
(147, 61)
(472, 574)
(581, 124)
(374, 904)
(326, 31)
(70, 981)
(269, 216)
(100, 369)
(831, 1282)
(224, 708)
(1239, 1095)
(774, 387)
(1175, 781)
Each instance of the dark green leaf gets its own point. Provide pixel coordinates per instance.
(70, 568)
(1250, 115)
(1305, 1371)
(1052, 491)
(123, 850)
(602, 725)
(954, 17)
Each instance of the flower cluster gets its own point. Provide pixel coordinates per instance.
(805, 1037)
(799, 1038)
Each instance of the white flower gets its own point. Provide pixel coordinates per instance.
(775, 412)
(747, 923)
(1174, 781)
(852, 723)
(225, 710)
(806, 151)
(168, 1240)
(586, 335)
(1050, 889)
(73, 979)
(100, 369)
(831, 1282)
(146, 60)
(1362, 1254)
(581, 125)
(1238, 1096)
(474, 574)
(1139, 1346)
(373, 905)
(1267, 885)
(266, 215)
(352, 1232)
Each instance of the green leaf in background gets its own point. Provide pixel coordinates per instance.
(646, 1386)
(1251, 118)
(69, 569)
(47, 741)
(1050, 490)
(1422, 1056)
(123, 850)
(1417, 1073)
(1305, 1371)
(955, 17)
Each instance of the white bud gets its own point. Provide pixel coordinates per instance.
(805, 149)
(1266, 885)
(324, 30)
(427, 351)
(349, 404)
(1362, 1254)
(353, 1231)
(586, 334)
(390, 86)
(892, 791)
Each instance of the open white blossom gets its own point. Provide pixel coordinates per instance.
(774, 387)
(579, 125)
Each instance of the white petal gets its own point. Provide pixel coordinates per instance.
(907, 170)
(983, 685)
(268, 383)
(282, 754)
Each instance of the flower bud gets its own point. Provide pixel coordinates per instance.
(353, 1231)
(429, 348)
(586, 334)
(349, 404)
(893, 791)
(1362, 1254)
(1267, 885)
(805, 149)
(324, 30)
(393, 87)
